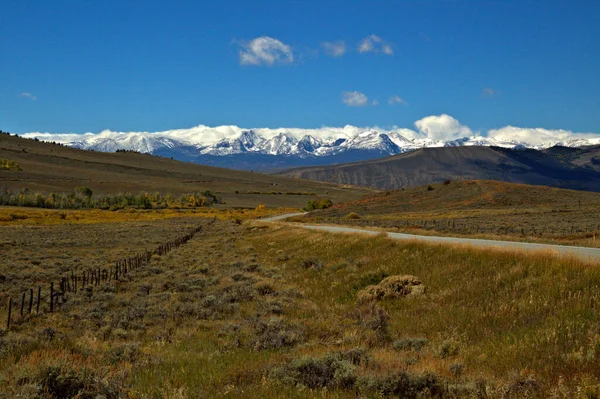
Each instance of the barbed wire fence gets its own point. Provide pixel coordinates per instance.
(31, 301)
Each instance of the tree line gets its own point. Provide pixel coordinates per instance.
(84, 198)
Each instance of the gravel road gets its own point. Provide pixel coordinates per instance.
(580, 252)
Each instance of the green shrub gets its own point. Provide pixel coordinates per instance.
(129, 352)
(448, 349)
(403, 385)
(6, 164)
(352, 216)
(323, 203)
(312, 264)
(369, 279)
(457, 369)
(265, 289)
(275, 334)
(65, 382)
(374, 318)
(408, 344)
(334, 370)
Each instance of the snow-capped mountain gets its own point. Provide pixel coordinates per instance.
(292, 147)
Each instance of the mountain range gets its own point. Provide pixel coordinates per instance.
(558, 166)
(276, 149)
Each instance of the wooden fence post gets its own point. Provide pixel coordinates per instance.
(9, 313)
(74, 279)
(37, 308)
(52, 297)
(30, 300)
(22, 303)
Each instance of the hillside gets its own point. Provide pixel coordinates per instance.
(498, 210)
(468, 196)
(47, 167)
(571, 168)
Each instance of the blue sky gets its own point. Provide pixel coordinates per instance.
(85, 66)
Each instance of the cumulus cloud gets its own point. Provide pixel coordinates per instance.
(28, 96)
(537, 136)
(395, 99)
(435, 127)
(374, 44)
(354, 99)
(442, 127)
(375, 102)
(265, 50)
(488, 92)
(334, 49)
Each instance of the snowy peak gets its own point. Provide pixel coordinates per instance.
(282, 144)
(308, 144)
(357, 143)
(250, 140)
(372, 141)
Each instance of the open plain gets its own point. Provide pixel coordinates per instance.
(249, 309)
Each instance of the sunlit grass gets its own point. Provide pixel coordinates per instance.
(14, 216)
(487, 315)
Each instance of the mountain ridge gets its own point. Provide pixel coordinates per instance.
(288, 147)
(562, 167)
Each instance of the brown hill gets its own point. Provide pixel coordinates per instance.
(467, 196)
(572, 170)
(46, 167)
(493, 208)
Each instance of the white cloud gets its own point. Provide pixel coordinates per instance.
(434, 127)
(28, 95)
(395, 99)
(334, 49)
(265, 50)
(488, 92)
(375, 102)
(537, 136)
(442, 127)
(354, 99)
(374, 44)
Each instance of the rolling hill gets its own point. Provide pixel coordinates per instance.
(469, 195)
(47, 167)
(497, 210)
(573, 168)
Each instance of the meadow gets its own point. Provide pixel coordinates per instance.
(249, 309)
(482, 209)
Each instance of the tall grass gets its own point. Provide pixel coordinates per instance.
(213, 318)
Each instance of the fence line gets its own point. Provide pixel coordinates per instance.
(72, 283)
(466, 226)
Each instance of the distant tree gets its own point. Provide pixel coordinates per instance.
(85, 191)
(323, 203)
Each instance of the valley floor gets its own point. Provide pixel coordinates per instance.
(246, 309)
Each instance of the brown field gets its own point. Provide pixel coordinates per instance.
(45, 168)
(245, 309)
(251, 310)
(480, 208)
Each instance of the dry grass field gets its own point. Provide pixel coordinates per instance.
(246, 309)
(487, 209)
